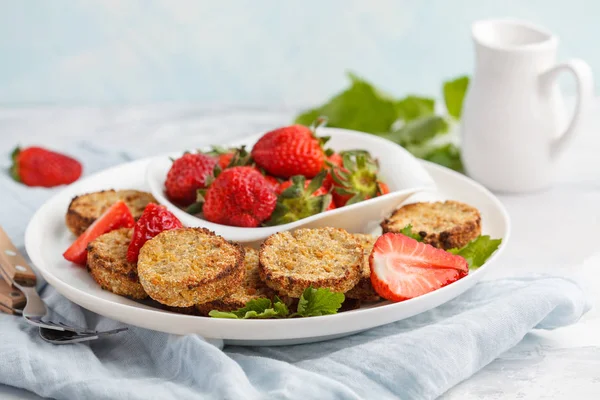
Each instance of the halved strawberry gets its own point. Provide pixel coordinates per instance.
(117, 216)
(402, 268)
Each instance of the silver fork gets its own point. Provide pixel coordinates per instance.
(15, 270)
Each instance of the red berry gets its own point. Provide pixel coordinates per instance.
(188, 174)
(335, 159)
(240, 196)
(116, 216)
(289, 151)
(225, 159)
(382, 189)
(402, 268)
(36, 166)
(154, 220)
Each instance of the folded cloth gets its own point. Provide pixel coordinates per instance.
(417, 358)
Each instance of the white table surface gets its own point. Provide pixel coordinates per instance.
(553, 230)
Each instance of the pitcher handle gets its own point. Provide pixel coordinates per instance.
(584, 80)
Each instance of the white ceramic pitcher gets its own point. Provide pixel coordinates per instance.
(513, 121)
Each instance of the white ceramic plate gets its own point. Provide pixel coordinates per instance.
(398, 168)
(47, 237)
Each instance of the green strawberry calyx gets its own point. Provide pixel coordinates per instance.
(298, 201)
(14, 169)
(318, 123)
(358, 176)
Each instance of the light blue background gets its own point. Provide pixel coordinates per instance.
(253, 52)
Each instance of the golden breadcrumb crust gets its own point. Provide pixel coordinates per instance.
(445, 225)
(324, 257)
(189, 266)
(85, 209)
(252, 287)
(108, 265)
(364, 289)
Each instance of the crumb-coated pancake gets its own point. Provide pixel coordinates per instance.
(324, 257)
(85, 209)
(364, 289)
(188, 266)
(252, 287)
(108, 265)
(445, 225)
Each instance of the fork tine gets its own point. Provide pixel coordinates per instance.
(81, 331)
(60, 326)
(77, 329)
(68, 337)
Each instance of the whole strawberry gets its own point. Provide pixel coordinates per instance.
(289, 151)
(239, 196)
(357, 179)
(299, 198)
(153, 221)
(188, 174)
(36, 166)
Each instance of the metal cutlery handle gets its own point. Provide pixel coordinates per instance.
(13, 266)
(14, 269)
(11, 299)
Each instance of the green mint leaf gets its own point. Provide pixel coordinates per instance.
(195, 208)
(321, 301)
(407, 231)
(222, 314)
(478, 251)
(268, 313)
(454, 94)
(419, 131)
(280, 307)
(257, 308)
(361, 107)
(447, 155)
(413, 107)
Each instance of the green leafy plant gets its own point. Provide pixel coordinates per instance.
(257, 308)
(411, 122)
(313, 302)
(316, 302)
(478, 250)
(407, 231)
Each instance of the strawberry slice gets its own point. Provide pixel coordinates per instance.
(115, 217)
(153, 221)
(402, 268)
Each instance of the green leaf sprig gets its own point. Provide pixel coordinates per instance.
(313, 302)
(411, 122)
(477, 251)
